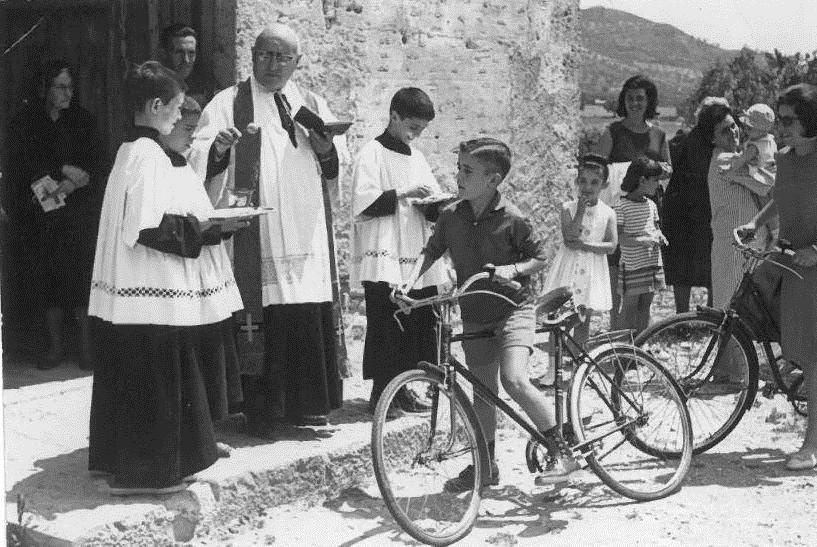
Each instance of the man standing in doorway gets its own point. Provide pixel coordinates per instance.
(250, 147)
(180, 48)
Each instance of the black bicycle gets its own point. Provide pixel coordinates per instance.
(627, 421)
(712, 354)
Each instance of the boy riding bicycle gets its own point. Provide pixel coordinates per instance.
(480, 229)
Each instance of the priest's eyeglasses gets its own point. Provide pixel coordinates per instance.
(269, 56)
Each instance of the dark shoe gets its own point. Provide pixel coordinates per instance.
(315, 420)
(409, 403)
(465, 480)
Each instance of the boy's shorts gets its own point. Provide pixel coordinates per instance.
(517, 329)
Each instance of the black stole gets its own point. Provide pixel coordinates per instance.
(247, 246)
(337, 310)
(247, 242)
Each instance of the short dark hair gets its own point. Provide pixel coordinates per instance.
(190, 106)
(709, 117)
(50, 70)
(412, 102)
(595, 161)
(176, 30)
(491, 151)
(639, 82)
(802, 98)
(642, 166)
(148, 81)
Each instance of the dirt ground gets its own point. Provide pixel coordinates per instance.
(739, 493)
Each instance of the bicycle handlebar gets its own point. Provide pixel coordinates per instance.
(406, 303)
(783, 247)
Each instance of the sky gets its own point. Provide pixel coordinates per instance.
(788, 25)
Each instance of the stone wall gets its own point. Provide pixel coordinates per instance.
(501, 68)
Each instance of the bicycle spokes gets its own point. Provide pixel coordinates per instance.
(631, 423)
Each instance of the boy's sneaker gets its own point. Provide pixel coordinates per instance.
(465, 480)
(557, 470)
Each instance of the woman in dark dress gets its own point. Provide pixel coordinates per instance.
(795, 201)
(52, 137)
(629, 138)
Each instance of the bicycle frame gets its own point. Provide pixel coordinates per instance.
(450, 367)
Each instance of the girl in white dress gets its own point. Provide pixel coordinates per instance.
(588, 233)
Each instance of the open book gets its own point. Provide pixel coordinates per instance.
(310, 120)
(43, 188)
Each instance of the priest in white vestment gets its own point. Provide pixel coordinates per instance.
(296, 169)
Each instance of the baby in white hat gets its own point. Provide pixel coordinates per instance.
(759, 153)
(761, 146)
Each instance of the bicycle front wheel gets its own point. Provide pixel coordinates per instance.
(697, 352)
(415, 456)
(630, 421)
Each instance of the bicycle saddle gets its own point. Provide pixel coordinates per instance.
(553, 300)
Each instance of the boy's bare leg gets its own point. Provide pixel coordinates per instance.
(482, 361)
(514, 373)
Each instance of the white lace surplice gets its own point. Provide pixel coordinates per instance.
(386, 248)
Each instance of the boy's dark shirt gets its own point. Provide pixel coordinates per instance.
(501, 236)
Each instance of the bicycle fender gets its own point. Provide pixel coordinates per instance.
(747, 328)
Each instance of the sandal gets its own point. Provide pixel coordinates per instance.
(802, 460)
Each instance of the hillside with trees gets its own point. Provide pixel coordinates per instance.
(619, 44)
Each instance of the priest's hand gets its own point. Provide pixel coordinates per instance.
(77, 175)
(225, 139)
(321, 143)
(419, 190)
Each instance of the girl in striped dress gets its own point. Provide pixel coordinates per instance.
(641, 272)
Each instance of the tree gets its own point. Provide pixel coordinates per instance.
(743, 82)
(750, 78)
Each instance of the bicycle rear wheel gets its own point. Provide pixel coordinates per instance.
(687, 345)
(630, 421)
(414, 456)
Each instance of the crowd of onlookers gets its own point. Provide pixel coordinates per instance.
(187, 314)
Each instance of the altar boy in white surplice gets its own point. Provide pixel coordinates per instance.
(285, 265)
(389, 229)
